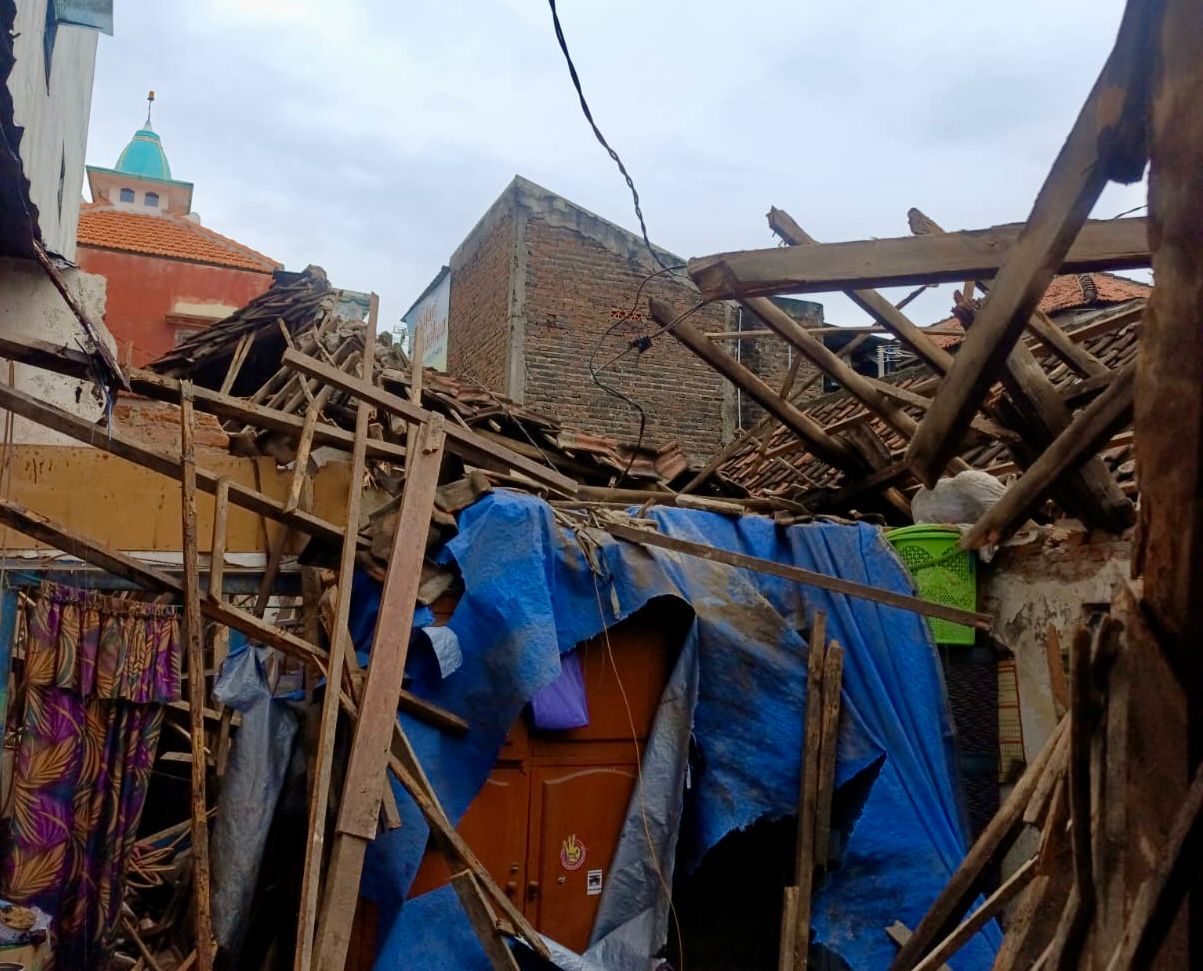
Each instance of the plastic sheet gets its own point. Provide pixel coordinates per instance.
(739, 688)
(259, 759)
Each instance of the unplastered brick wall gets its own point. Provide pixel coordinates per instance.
(577, 288)
(535, 287)
(478, 330)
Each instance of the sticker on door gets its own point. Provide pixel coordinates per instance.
(572, 853)
(593, 883)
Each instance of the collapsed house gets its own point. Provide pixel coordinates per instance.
(324, 659)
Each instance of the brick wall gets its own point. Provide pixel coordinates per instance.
(479, 311)
(576, 289)
(536, 285)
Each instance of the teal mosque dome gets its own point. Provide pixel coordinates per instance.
(144, 156)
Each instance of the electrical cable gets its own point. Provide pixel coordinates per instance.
(597, 132)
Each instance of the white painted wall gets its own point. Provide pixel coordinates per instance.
(55, 118)
(31, 308)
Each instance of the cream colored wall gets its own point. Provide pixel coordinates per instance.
(55, 119)
(131, 508)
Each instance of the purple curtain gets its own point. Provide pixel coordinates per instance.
(98, 670)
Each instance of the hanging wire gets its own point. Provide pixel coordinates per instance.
(597, 132)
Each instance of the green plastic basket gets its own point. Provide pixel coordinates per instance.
(943, 574)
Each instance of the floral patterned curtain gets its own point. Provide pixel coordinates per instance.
(98, 670)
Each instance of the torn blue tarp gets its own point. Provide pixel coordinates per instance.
(739, 686)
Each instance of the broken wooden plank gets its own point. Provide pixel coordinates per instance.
(1040, 324)
(405, 766)
(1090, 430)
(808, 795)
(126, 447)
(990, 908)
(817, 440)
(104, 362)
(899, 933)
(789, 919)
(193, 637)
(323, 757)
(462, 441)
(869, 300)
(952, 902)
(1081, 728)
(220, 635)
(647, 537)
(236, 362)
(833, 674)
(856, 384)
(368, 761)
(1161, 895)
(483, 922)
(1073, 185)
(1103, 244)
(300, 470)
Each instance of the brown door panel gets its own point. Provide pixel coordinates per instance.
(576, 817)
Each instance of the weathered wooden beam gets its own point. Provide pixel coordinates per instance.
(323, 757)
(1040, 324)
(300, 469)
(106, 365)
(856, 384)
(808, 794)
(1104, 244)
(1086, 162)
(194, 640)
(365, 773)
(1161, 896)
(833, 680)
(991, 907)
(817, 440)
(952, 902)
(405, 766)
(647, 537)
(59, 537)
(483, 922)
(1090, 430)
(869, 300)
(123, 446)
(461, 441)
(236, 362)
(991, 429)
(73, 363)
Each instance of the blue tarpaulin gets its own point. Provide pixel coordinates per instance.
(739, 687)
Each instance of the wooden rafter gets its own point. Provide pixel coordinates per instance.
(1100, 146)
(1110, 244)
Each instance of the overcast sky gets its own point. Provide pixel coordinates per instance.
(368, 136)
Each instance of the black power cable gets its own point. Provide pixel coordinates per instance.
(576, 83)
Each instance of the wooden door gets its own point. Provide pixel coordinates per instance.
(495, 827)
(576, 816)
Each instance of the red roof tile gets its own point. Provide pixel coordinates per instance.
(105, 226)
(1076, 290)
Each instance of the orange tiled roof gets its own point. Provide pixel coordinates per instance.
(1075, 290)
(164, 234)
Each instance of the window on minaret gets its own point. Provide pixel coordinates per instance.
(152, 199)
(127, 195)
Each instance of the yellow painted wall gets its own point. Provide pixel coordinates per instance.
(131, 508)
